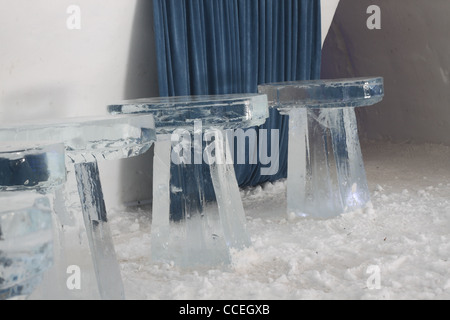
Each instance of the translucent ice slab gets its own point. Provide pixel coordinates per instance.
(211, 227)
(26, 242)
(28, 166)
(336, 93)
(89, 139)
(221, 111)
(326, 173)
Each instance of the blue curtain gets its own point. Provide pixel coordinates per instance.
(231, 46)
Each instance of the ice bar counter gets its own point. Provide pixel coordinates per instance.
(326, 175)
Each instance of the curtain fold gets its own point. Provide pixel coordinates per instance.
(230, 46)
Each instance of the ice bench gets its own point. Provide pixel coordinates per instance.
(326, 175)
(87, 141)
(210, 229)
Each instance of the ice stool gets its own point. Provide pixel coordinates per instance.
(87, 141)
(326, 175)
(211, 229)
(28, 172)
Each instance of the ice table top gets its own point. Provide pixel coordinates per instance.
(222, 111)
(89, 139)
(336, 93)
(31, 166)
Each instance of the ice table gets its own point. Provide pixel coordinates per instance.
(191, 132)
(88, 140)
(326, 175)
(27, 173)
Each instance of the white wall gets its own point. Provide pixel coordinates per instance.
(411, 52)
(48, 70)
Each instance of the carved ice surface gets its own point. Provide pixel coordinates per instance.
(26, 243)
(326, 173)
(336, 93)
(211, 227)
(221, 111)
(89, 139)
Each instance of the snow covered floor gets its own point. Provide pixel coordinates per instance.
(400, 249)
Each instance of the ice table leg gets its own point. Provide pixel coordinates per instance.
(99, 236)
(191, 241)
(201, 227)
(71, 248)
(160, 229)
(311, 186)
(298, 162)
(231, 210)
(326, 175)
(351, 174)
(208, 230)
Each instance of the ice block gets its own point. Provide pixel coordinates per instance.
(326, 175)
(193, 179)
(88, 140)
